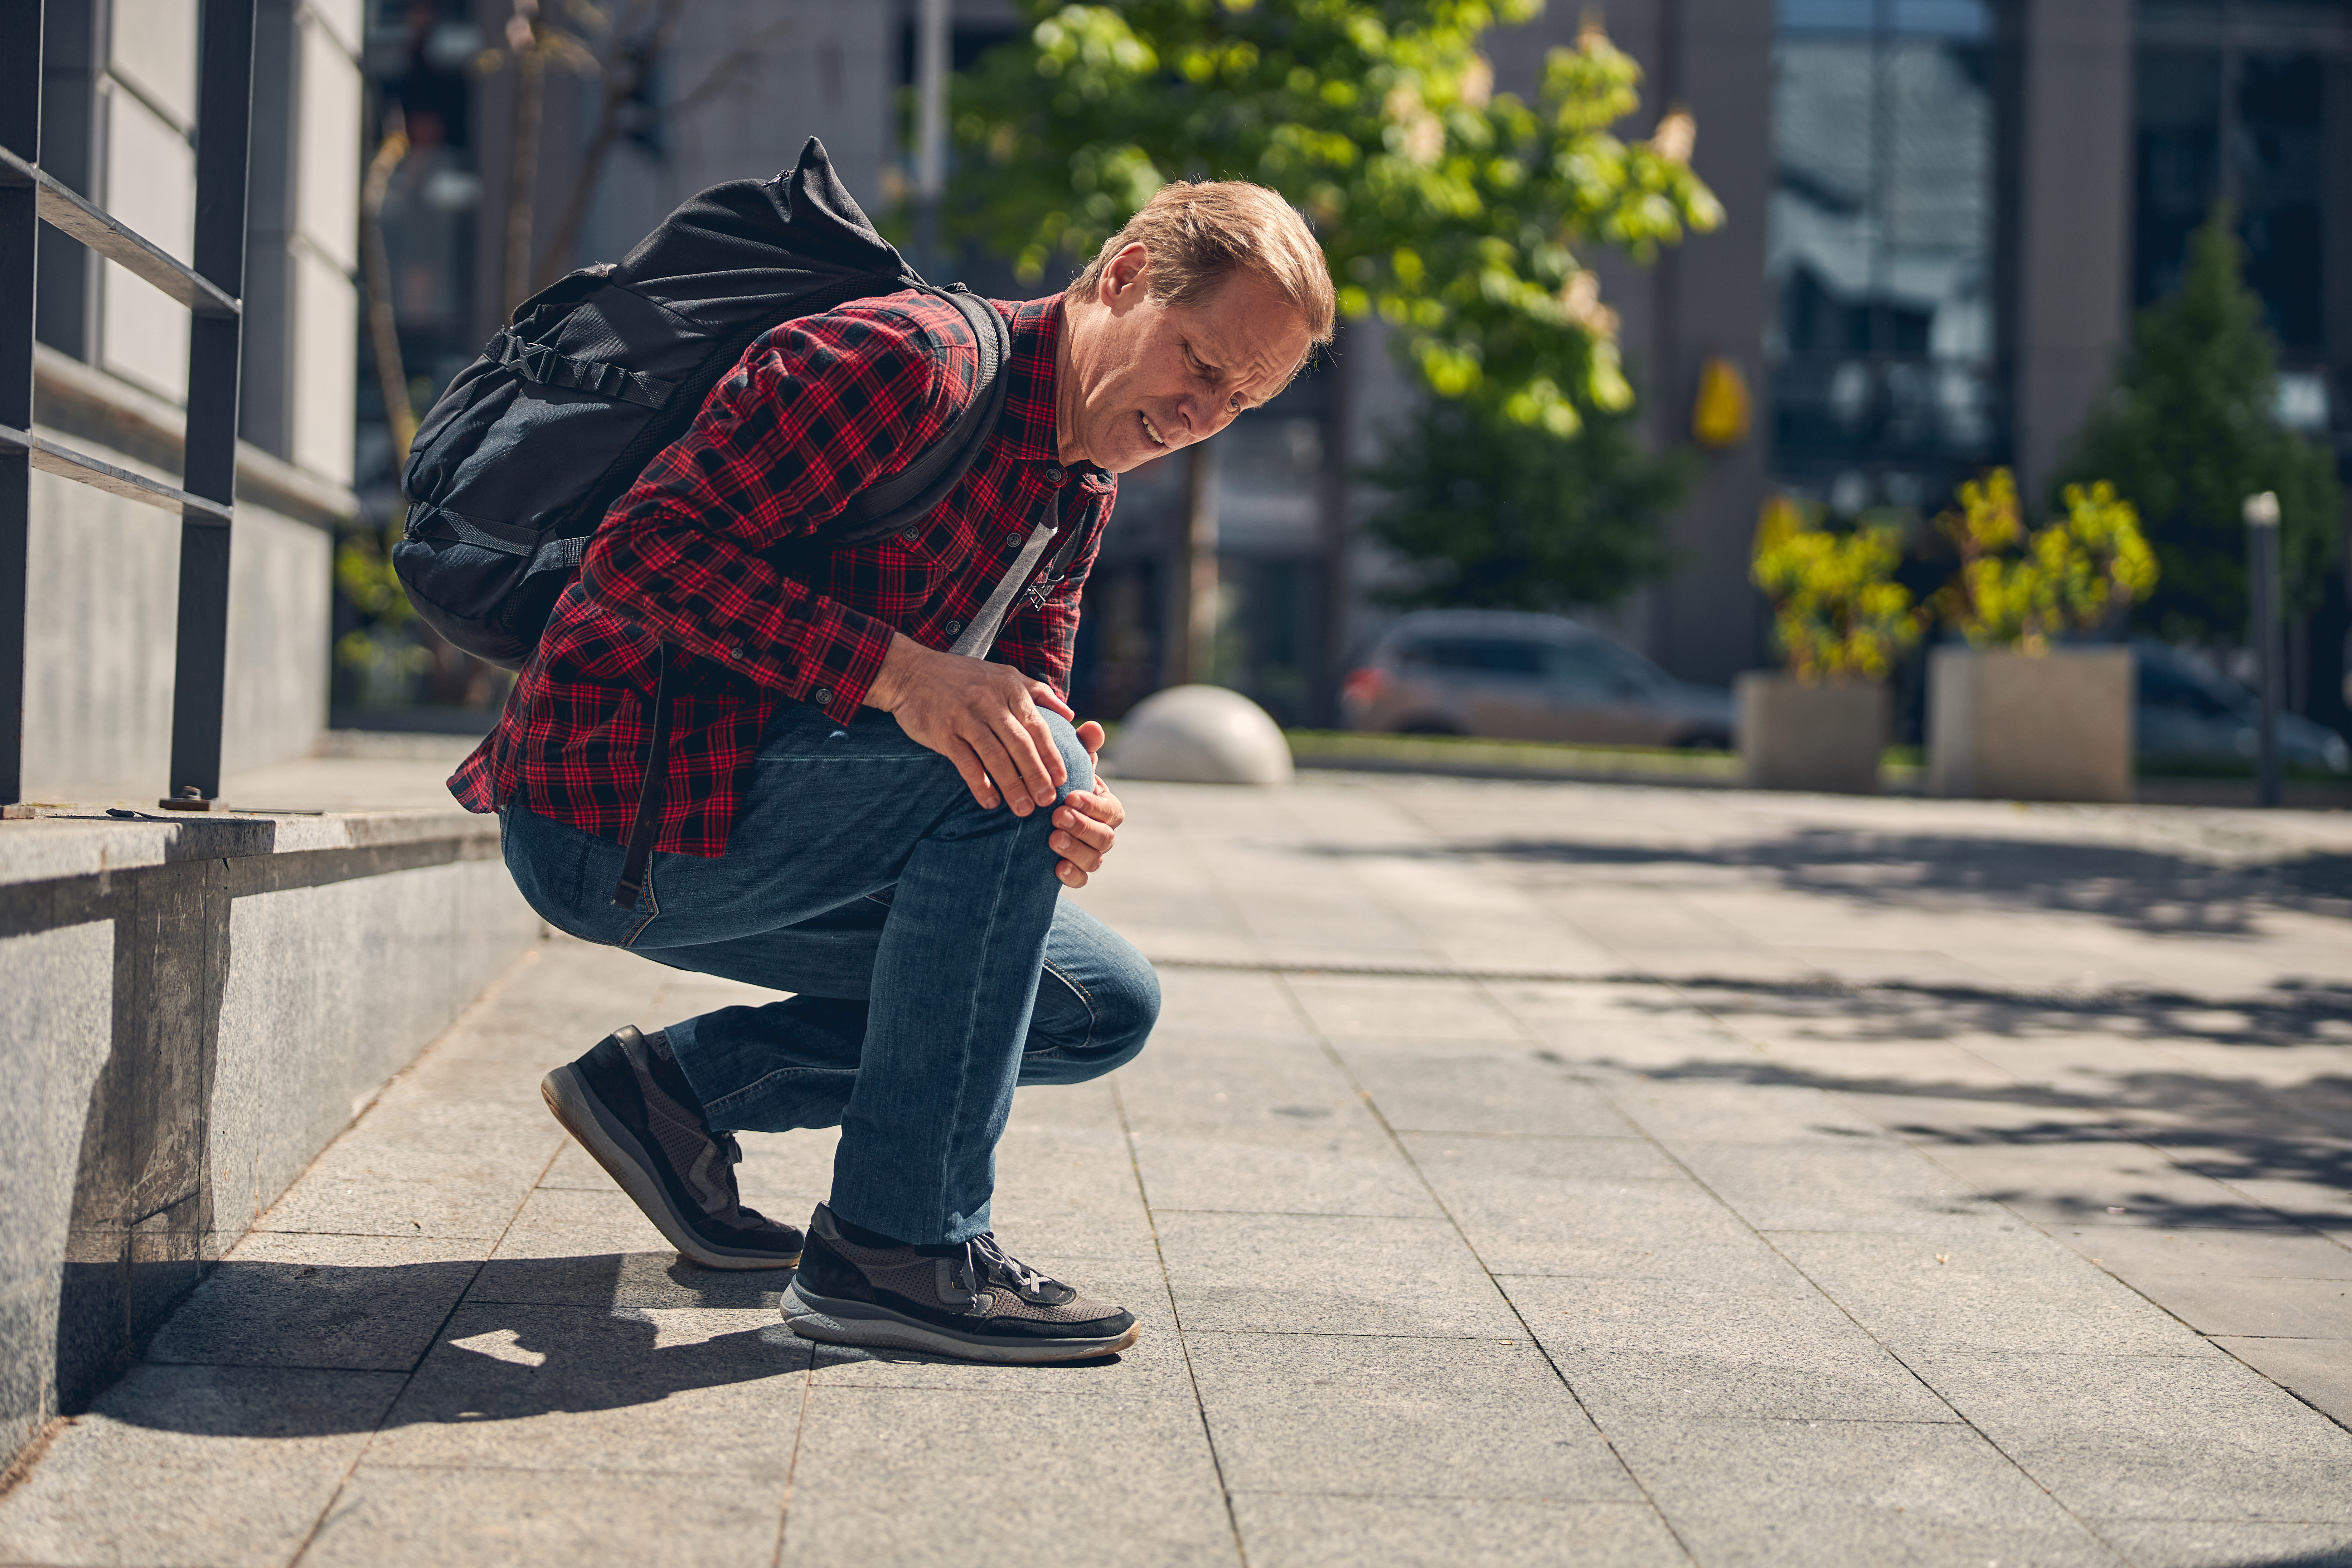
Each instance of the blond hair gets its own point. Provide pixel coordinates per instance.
(1200, 232)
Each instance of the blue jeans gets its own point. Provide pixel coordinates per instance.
(934, 964)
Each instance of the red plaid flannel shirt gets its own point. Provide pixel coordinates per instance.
(711, 554)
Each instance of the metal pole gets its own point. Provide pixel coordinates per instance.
(931, 42)
(1192, 615)
(20, 226)
(223, 126)
(2266, 629)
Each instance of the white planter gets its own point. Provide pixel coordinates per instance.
(1825, 737)
(2008, 726)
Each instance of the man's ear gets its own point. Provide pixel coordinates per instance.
(1123, 279)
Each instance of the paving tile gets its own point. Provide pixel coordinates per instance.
(1761, 1348)
(1282, 1531)
(1720, 1112)
(2153, 1437)
(1568, 1206)
(597, 1249)
(1311, 1274)
(1153, 1367)
(2232, 1252)
(2260, 1308)
(1399, 1417)
(193, 1467)
(2102, 1183)
(637, 1390)
(1498, 1088)
(2207, 1543)
(391, 1517)
(1807, 1493)
(1228, 1001)
(1853, 1183)
(1379, 1006)
(1979, 1290)
(1288, 1134)
(358, 1302)
(2317, 1371)
(1071, 1192)
(909, 1476)
(454, 1170)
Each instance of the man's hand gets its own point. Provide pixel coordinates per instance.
(1086, 823)
(981, 717)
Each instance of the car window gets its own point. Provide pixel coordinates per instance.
(1598, 665)
(2160, 687)
(1490, 656)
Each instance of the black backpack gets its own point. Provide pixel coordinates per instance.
(517, 463)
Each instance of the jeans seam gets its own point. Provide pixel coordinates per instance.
(1005, 846)
(1085, 999)
(653, 909)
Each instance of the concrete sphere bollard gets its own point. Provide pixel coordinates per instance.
(1201, 734)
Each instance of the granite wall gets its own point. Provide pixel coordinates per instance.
(190, 1012)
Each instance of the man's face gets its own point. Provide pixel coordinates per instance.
(1143, 378)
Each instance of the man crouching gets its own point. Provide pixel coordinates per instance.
(858, 806)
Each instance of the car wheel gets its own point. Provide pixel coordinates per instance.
(1429, 727)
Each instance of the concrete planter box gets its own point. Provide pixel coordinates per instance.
(1827, 737)
(2009, 726)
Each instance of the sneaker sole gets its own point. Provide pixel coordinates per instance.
(838, 1322)
(611, 1145)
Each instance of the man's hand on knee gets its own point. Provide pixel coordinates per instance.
(981, 717)
(1087, 822)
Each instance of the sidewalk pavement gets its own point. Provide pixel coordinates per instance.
(1521, 1174)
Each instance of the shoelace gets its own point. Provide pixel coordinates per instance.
(983, 1250)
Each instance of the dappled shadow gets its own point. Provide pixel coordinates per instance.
(486, 1360)
(2146, 889)
(2293, 1012)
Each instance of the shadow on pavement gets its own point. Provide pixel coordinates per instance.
(254, 1327)
(2145, 890)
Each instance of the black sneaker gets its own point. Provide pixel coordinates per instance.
(630, 1106)
(976, 1302)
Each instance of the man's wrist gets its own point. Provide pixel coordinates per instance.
(888, 688)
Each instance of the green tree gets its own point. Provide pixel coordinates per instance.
(1489, 513)
(2189, 432)
(1454, 211)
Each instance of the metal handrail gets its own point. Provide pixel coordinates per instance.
(67, 212)
(210, 288)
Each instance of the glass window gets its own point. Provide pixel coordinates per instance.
(1488, 656)
(2231, 105)
(1881, 246)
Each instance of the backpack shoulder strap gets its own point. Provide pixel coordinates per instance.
(910, 494)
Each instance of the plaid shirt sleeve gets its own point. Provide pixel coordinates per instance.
(825, 407)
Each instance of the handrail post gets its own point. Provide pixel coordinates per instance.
(224, 127)
(20, 131)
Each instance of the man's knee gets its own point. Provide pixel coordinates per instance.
(1093, 1023)
(1074, 755)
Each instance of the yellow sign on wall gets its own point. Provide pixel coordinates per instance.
(1721, 418)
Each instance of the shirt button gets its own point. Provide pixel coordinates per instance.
(1055, 474)
(1011, 541)
(910, 534)
(954, 626)
(738, 652)
(822, 696)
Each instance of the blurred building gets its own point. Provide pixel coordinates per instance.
(1941, 215)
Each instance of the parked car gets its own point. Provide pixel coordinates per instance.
(2188, 710)
(1522, 677)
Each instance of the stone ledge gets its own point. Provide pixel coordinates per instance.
(67, 841)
